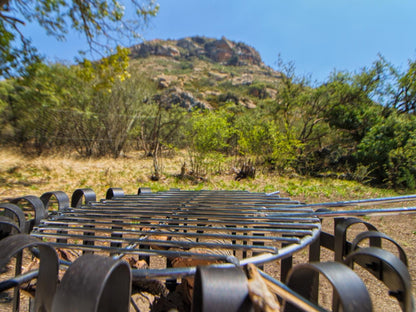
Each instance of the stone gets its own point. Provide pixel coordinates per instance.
(191, 47)
(184, 99)
(154, 47)
(218, 76)
(271, 93)
(247, 103)
(220, 50)
(165, 81)
(244, 80)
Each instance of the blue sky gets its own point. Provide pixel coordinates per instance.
(317, 35)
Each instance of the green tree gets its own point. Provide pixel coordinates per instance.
(210, 132)
(35, 104)
(350, 106)
(404, 91)
(6, 95)
(349, 113)
(389, 151)
(299, 107)
(105, 108)
(119, 110)
(102, 22)
(76, 106)
(260, 137)
(160, 129)
(290, 90)
(298, 112)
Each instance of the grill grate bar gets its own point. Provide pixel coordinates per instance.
(308, 218)
(149, 252)
(171, 223)
(172, 230)
(92, 237)
(158, 243)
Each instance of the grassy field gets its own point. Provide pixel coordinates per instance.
(20, 175)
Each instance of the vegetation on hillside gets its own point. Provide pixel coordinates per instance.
(355, 126)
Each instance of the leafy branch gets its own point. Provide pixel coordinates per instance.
(103, 23)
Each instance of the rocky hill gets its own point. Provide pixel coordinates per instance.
(223, 51)
(205, 72)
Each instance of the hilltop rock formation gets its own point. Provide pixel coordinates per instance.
(222, 51)
(154, 47)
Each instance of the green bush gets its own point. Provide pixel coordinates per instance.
(258, 90)
(209, 133)
(401, 166)
(262, 138)
(389, 150)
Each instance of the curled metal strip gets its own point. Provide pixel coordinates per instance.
(350, 293)
(13, 211)
(371, 234)
(8, 227)
(87, 194)
(94, 283)
(37, 206)
(114, 192)
(221, 290)
(387, 268)
(285, 293)
(144, 190)
(341, 248)
(61, 197)
(48, 266)
(63, 204)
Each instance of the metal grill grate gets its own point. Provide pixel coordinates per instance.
(195, 226)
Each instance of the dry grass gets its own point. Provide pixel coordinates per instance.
(20, 175)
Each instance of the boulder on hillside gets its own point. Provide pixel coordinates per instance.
(218, 76)
(247, 103)
(262, 92)
(191, 47)
(220, 50)
(181, 98)
(227, 52)
(271, 93)
(247, 54)
(165, 81)
(244, 80)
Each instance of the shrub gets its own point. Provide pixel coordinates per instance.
(209, 134)
(389, 150)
